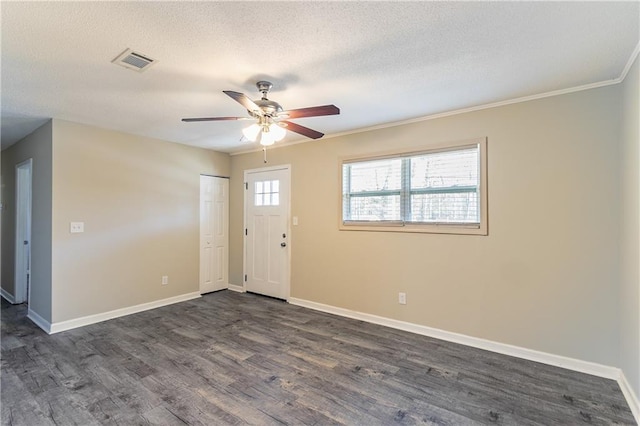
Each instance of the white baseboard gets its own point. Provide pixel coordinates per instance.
(506, 349)
(629, 394)
(238, 288)
(7, 296)
(39, 321)
(502, 348)
(57, 327)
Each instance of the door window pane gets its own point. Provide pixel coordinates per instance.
(267, 193)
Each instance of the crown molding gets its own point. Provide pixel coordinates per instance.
(552, 93)
(630, 62)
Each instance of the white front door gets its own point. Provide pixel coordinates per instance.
(214, 233)
(267, 231)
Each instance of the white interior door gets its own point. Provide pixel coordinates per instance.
(23, 231)
(267, 231)
(214, 233)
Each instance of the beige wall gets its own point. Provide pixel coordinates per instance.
(38, 147)
(630, 230)
(139, 201)
(544, 278)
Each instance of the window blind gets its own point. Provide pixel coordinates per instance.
(440, 187)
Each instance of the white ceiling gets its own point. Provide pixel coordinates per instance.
(379, 62)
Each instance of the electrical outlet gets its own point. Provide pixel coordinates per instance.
(402, 298)
(76, 227)
(165, 279)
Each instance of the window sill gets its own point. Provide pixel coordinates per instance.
(421, 229)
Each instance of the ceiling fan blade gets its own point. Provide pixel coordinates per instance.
(188, 120)
(243, 100)
(311, 111)
(304, 131)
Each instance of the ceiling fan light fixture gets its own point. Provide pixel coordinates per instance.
(277, 131)
(267, 138)
(252, 132)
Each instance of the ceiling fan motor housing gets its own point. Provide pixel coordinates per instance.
(269, 108)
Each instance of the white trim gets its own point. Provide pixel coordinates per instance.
(502, 348)
(447, 113)
(39, 321)
(7, 296)
(267, 169)
(630, 62)
(632, 399)
(237, 288)
(57, 327)
(604, 83)
(573, 364)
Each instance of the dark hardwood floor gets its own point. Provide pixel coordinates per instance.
(230, 358)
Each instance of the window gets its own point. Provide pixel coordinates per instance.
(440, 190)
(267, 193)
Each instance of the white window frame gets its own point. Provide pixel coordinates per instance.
(480, 228)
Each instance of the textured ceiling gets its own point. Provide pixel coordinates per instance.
(380, 62)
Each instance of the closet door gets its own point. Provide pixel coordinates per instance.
(214, 233)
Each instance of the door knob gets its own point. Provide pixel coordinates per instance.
(283, 244)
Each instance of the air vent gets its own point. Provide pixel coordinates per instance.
(134, 60)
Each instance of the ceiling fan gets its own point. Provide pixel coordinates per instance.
(272, 122)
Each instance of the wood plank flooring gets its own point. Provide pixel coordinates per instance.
(230, 358)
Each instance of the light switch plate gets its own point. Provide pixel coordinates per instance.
(76, 227)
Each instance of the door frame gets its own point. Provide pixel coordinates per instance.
(286, 167)
(23, 200)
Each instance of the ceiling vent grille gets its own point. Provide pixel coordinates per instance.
(134, 60)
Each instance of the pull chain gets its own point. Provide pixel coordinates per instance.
(264, 150)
